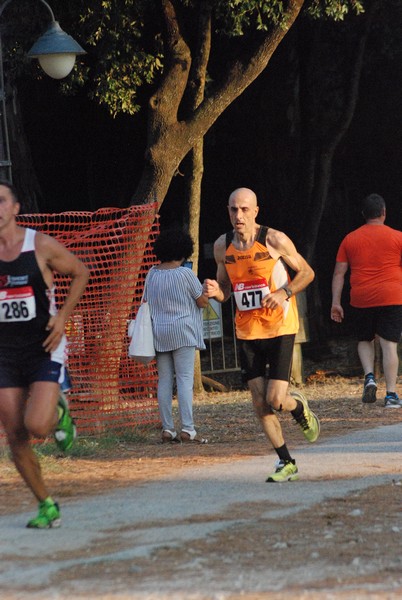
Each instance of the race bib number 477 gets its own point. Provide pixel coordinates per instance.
(17, 304)
(248, 295)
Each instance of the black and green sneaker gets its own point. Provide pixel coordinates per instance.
(308, 421)
(48, 516)
(66, 431)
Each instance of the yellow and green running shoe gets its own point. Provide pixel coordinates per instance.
(48, 516)
(66, 431)
(308, 420)
(284, 472)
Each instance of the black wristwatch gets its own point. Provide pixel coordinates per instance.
(288, 291)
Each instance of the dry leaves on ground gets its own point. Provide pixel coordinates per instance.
(226, 419)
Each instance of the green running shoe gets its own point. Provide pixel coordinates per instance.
(284, 472)
(308, 421)
(48, 516)
(66, 431)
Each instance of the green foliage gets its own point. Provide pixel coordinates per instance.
(124, 39)
(118, 85)
(122, 59)
(334, 9)
(235, 18)
(125, 44)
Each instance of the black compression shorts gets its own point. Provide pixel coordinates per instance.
(274, 353)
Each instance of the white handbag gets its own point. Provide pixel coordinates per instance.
(141, 347)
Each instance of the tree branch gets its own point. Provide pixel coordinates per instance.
(345, 120)
(164, 104)
(242, 73)
(196, 84)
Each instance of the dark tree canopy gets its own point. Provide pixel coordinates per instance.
(272, 105)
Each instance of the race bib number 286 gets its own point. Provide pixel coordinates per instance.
(17, 304)
(248, 295)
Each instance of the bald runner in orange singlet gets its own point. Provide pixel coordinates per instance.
(252, 261)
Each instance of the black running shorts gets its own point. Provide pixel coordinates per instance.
(19, 368)
(274, 354)
(385, 321)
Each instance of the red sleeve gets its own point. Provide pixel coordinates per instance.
(342, 255)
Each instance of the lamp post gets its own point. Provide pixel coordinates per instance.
(56, 52)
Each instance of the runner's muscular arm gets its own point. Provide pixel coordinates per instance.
(219, 288)
(280, 245)
(53, 256)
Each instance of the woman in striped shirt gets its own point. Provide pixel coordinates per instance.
(176, 300)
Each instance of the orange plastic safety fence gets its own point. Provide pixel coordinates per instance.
(109, 390)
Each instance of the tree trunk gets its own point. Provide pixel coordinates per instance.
(169, 138)
(322, 141)
(323, 138)
(197, 170)
(198, 74)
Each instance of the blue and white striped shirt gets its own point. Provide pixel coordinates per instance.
(176, 318)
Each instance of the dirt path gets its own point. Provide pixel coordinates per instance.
(198, 522)
(227, 420)
(219, 531)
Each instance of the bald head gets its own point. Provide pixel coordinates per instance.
(243, 194)
(243, 211)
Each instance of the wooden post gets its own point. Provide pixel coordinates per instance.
(297, 373)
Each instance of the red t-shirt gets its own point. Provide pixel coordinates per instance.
(373, 253)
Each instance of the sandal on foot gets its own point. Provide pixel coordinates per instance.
(191, 436)
(169, 437)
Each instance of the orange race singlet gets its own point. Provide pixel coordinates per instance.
(254, 274)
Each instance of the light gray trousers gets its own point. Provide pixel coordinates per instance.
(181, 363)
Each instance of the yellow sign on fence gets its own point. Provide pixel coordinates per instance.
(212, 320)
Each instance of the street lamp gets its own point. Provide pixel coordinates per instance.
(56, 52)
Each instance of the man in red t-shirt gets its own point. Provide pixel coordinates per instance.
(373, 254)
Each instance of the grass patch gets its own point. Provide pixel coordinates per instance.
(87, 446)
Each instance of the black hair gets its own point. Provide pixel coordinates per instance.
(173, 244)
(373, 206)
(11, 187)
